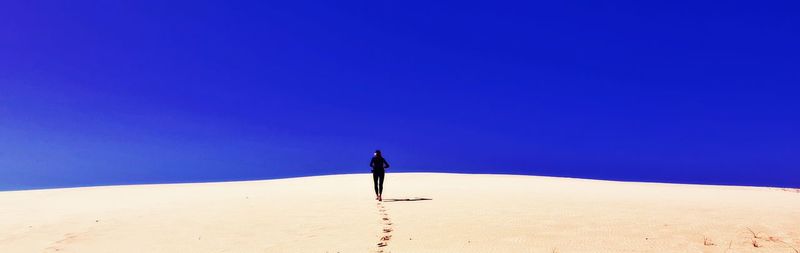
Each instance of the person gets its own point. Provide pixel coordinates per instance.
(379, 166)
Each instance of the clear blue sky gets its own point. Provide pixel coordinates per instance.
(119, 92)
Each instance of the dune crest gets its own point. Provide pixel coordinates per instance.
(421, 212)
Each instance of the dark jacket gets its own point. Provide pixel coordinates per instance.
(378, 164)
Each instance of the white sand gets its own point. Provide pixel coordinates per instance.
(466, 213)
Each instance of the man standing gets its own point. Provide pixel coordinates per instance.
(379, 166)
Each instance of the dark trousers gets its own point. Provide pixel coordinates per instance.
(377, 180)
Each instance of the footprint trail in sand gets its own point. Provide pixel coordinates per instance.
(386, 233)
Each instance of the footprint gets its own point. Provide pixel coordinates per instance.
(386, 238)
(387, 230)
(60, 244)
(382, 244)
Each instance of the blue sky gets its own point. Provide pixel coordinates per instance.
(95, 93)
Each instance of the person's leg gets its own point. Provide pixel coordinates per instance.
(380, 184)
(375, 183)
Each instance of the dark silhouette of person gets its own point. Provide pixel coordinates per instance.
(379, 166)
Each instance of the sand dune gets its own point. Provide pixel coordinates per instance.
(422, 212)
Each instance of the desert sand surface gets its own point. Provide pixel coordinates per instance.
(422, 212)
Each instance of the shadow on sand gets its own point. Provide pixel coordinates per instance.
(411, 199)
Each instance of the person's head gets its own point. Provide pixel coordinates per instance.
(378, 153)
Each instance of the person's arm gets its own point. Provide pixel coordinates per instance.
(386, 163)
(372, 163)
